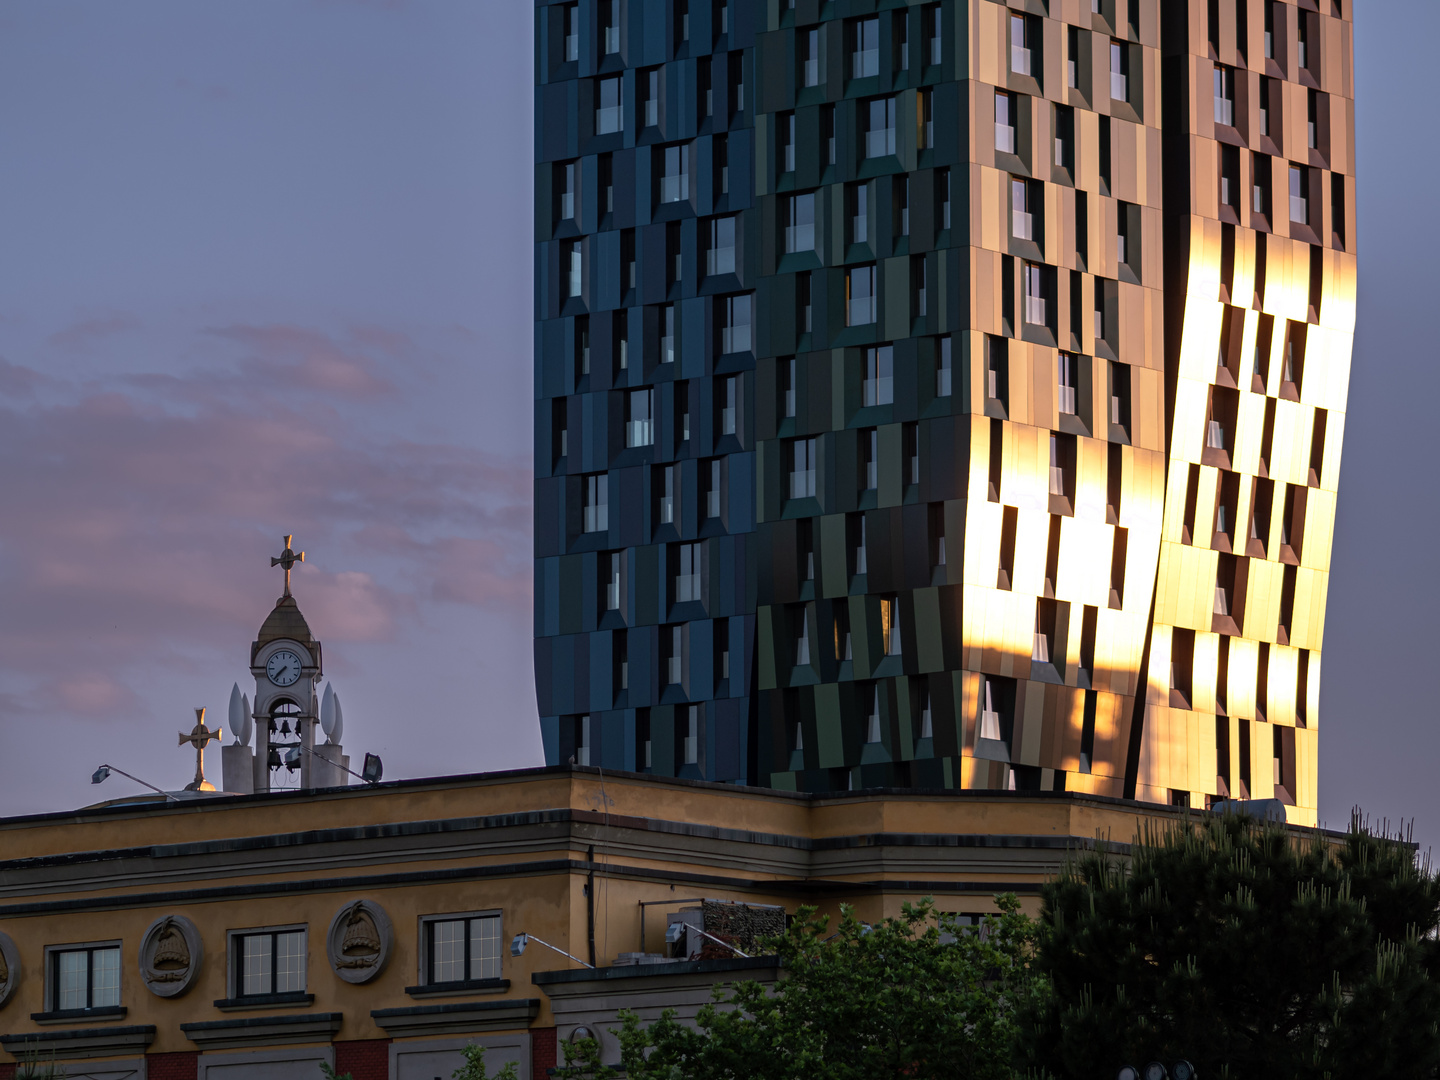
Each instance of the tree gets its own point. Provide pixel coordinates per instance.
(914, 997)
(473, 1069)
(1247, 949)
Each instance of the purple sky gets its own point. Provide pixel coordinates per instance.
(265, 268)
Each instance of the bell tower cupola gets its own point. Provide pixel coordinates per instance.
(286, 663)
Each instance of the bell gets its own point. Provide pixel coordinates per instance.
(273, 760)
(270, 725)
(285, 728)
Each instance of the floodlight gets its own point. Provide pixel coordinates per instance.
(1156, 1071)
(520, 941)
(100, 774)
(1182, 1070)
(1129, 1072)
(373, 769)
(674, 932)
(292, 758)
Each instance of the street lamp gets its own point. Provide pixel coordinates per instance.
(99, 775)
(518, 943)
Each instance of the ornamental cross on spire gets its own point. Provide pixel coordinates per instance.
(287, 559)
(197, 738)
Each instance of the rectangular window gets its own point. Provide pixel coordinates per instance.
(860, 295)
(687, 574)
(720, 255)
(465, 948)
(858, 197)
(571, 25)
(1302, 40)
(87, 978)
(1224, 95)
(667, 489)
(1067, 376)
(901, 191)
(889, 628)
(1267, 89)
(611, 568)
(565, 189)
(910, 451)
(720, 152)
(729, 395)
(802, 468)
(936, 523)
(920, 305)
(827, 132)
(1072, 58)
(944, 369)
(800, 223)
(269, 962)
(1119, 72)
(878, 384)
(667, 334)
(859, 559)
(1021, 221)
(880, 128)
(737, 83)
(650, 90)
(1312, 119)
(675, 180)
(627, 258)
(1230, 176)
(1021, 42)
(942, 187)
(934, 36)
(1037, 308)
(864, 48)
(610, 113)
(610, 26)
(640, 423)
(800, 621)
(1064, 137)
(597, 500)
(785, 130)
(691, 745)
(802, 301)
(901, 38)
(925, 120)
(735, 323)
(675, 661)
(870, 458)
(712, 488)
(1270, 29)
(1299, 188)
(574, 269)
(786, 370)
(1120, 398)
(582, 347)
(809, 41)
(1260, 170)
(1004, 122)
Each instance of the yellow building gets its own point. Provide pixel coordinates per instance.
(259, 935)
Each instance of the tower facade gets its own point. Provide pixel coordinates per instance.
(876, 383)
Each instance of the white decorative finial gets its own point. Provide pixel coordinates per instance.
(338, 728)
(247, 722)
(327, 711)
(237, 712)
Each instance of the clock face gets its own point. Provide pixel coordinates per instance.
(283, 668)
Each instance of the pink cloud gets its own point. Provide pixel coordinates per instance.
(140, 518)
(16, 381)
(307, 359)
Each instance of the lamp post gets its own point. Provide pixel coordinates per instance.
(518, 943)
(99, 775)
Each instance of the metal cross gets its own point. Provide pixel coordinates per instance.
(288, 559)
(198, 738)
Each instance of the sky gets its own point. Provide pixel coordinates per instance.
(265, 268)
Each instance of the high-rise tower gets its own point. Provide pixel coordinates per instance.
(877, 392)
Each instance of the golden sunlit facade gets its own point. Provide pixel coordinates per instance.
(1261, 256)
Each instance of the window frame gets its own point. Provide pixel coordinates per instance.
(426, 959)
(235, 974)
(90, 948)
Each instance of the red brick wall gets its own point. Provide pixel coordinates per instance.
(182, 1066)
(7, 1072)
(363, 1059)
(542, 1052)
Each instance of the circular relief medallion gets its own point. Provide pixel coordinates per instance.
(359, 941)
(9, 969)
(170, 955)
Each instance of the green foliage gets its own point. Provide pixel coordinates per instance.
(1247, 951)
(474, 1067)
(331, 1074)
(582, 1062)
(915, 997)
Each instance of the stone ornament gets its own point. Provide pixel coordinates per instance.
(359, 941)
(9, 968)
(170, 956)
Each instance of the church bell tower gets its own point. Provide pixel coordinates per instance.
(286, 663)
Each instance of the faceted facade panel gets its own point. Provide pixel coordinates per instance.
(860, 397)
